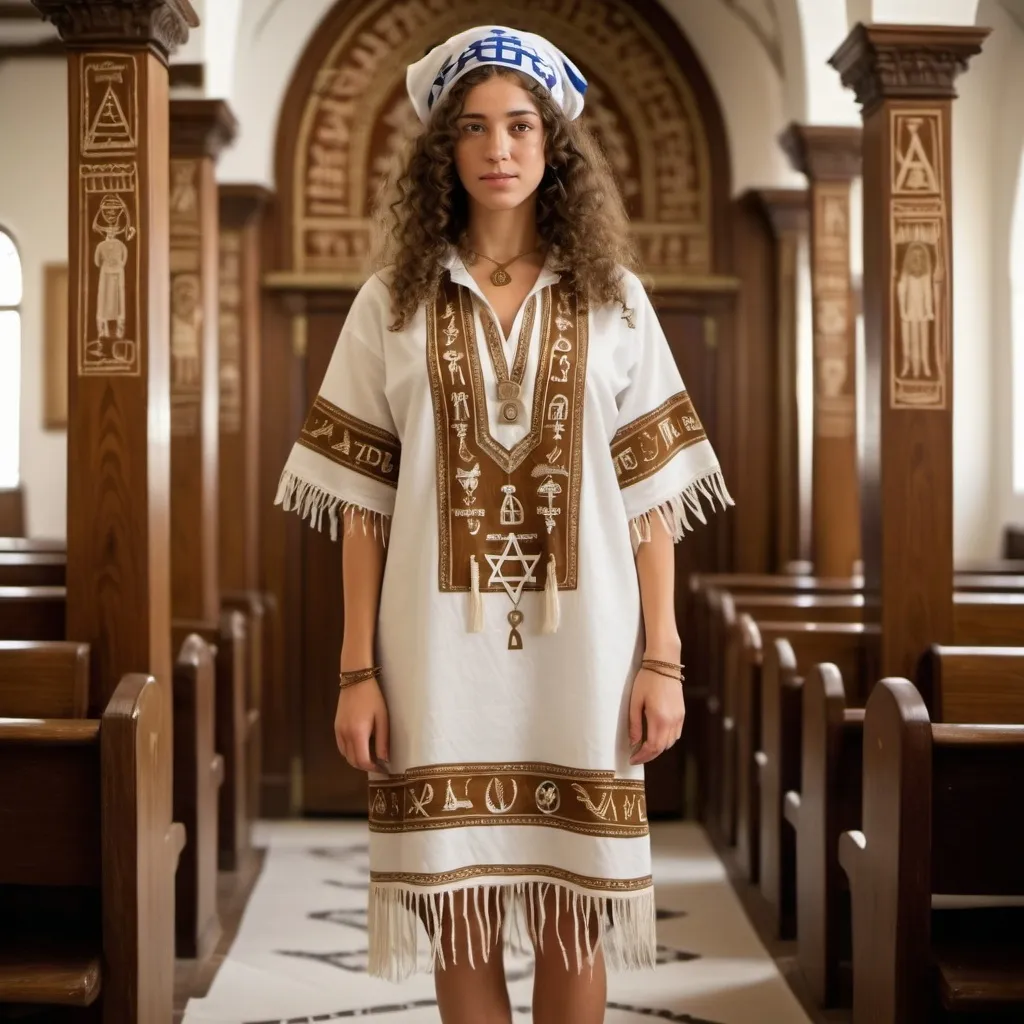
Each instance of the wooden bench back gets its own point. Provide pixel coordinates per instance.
(988, 620)
(31, 544)
(973, 684)
(33, 569)
(51, 818)
(977, 830)
(48, 679)
(794, 607)
(33, 613)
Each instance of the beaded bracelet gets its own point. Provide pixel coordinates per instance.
(358, 676)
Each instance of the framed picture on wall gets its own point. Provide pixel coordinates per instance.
(55, 342)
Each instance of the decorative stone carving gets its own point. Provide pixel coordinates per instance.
(357, 115)
(201, 128)
(880, 62)
(163, 24)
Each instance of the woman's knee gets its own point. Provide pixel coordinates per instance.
(464, 927)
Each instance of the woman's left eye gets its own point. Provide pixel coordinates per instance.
(524, 126)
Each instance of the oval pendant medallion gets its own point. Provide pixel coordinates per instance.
(509, 412)
(501, 277)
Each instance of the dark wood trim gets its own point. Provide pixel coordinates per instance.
(42, 48)
(187, 76)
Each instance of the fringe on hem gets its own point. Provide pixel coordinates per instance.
(674, 512)
(312, 503)
(625, 926)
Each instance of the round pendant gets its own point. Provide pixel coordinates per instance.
(501, 277)
(509, 412)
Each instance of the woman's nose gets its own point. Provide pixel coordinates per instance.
(497, 148)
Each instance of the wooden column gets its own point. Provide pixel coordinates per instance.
(118, 351)
(831, 159)
(787, 211)
(199, 130)
(241, 210)
(903, 77)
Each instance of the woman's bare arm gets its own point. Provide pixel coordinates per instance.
(655, 697)
(362, 712)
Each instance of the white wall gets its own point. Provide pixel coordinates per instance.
(34, 206)
(271, 40)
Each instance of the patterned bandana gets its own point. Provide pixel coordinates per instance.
(430, 78)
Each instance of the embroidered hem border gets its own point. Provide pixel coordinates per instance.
(312, 502)
(593, 803)
(513, 913)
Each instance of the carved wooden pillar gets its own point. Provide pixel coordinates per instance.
(118, 539)
(831, 159)
(903, 77)
(786, 210)
(241, 210)
(199, 130)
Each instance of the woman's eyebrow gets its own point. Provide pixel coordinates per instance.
(511, 113)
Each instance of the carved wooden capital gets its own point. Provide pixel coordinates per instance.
(162, 24)
(787, 209)
(824, 152)
(912, 62)
(201, 128)
(241, 204)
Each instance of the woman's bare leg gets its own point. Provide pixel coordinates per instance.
(474, 994)
(566, 995)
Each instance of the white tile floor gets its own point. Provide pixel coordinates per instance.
(299, 955)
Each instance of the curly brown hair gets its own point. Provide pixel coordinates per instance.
(423, 208)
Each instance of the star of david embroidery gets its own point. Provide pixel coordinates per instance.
(513, 584)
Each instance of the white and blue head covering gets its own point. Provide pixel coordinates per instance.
(429, 79)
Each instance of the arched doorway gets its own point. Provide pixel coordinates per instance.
(346, 110)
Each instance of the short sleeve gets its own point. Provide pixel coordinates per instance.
(663, 459)
(348, 452)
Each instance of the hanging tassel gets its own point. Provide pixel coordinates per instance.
(552, 610)
(476, 604)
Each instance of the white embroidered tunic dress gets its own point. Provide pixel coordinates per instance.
(517, 476)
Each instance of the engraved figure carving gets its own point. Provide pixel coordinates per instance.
(917, 310)
(112, 220)
(547, 797)
(186, 324)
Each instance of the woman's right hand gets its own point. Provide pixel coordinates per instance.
(362, 713)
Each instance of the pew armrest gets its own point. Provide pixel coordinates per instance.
(791, 808)
(175, 842)
(49, 976)
(217, 770)
(852, 845)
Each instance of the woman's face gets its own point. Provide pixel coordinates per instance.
(500, 150)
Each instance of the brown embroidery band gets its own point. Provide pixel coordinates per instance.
(641, 448)
(446, 796)
(510, 508)
(351, 442)
(510, 871)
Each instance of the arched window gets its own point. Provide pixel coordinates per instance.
(1017, 298)
(10, 359)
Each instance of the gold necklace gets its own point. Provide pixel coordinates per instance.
(500, 276)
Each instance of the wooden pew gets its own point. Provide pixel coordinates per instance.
(829, 800)
(940, 800)
(87, 894)
(198, 776)
(38, 613)
(33, 569)
(776, 608)
(32, 613)
(769, 651)
(232, 728)
(257, 621)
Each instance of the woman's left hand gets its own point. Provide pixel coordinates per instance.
(658, 700)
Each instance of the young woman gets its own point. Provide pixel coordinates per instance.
(503, 409)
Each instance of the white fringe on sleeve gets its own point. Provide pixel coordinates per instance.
(675, 512)
(312, 502)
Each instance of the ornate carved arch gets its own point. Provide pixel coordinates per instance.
(650, 104)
